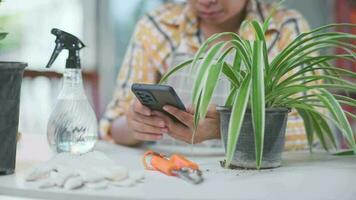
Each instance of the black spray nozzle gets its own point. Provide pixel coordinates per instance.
(67, 41)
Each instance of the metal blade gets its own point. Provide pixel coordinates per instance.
(190, 176)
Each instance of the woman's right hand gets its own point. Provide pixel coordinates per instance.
(143, 124)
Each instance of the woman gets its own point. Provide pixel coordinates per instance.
(174, 29)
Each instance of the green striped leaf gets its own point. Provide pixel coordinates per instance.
(259, 32)
(258, 99)
(326, 129)
(318, 130)
(203, 67)
(174, 70)
(349, 152)
(236, 119)
(338, 114)
(209, 86)
(229, 101)
(308, 127)
(234, 77)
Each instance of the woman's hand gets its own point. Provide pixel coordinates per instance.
(143, 124)
(208, 128)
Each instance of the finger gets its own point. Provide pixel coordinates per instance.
(147, 136)
(170, 124)
(185, 117)
(177, 130)
(164, 117)
(138, 107)
(149, 120)
(159, 114)
(182, 137)
(183, 133)
(212, 112)
(141, 127)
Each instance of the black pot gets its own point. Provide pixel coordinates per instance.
(275, 127)
(10, 86)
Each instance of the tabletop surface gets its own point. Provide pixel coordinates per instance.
(302, 176)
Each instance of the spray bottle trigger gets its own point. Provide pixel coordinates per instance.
(57, 50)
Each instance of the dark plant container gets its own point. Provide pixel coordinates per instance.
(10, 86)
(275, 127)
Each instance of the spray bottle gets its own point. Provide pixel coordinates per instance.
(72, 126)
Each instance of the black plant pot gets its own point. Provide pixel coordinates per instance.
(10, 85)
(275, 127)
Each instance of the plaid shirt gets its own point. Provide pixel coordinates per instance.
(171, 34)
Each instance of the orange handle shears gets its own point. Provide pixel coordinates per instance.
(176, 165)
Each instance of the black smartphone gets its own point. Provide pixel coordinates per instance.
(155, 96)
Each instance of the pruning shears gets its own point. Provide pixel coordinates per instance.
(176, 165)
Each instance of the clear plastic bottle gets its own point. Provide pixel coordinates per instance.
(72, 126)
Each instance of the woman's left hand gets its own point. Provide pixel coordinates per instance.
(208, 128)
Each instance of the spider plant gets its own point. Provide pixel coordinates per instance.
(258, 82)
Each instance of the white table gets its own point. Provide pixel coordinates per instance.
(302, 176)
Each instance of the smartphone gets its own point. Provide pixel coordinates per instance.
(155, 96)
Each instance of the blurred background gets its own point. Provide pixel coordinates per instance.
(105, 26)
